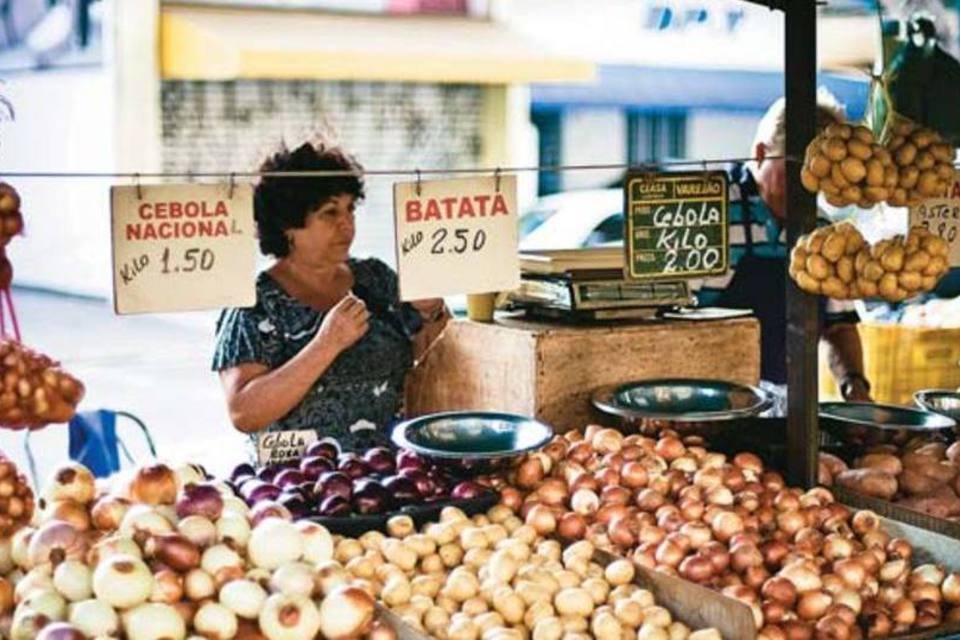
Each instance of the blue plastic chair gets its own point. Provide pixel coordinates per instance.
(94, 442)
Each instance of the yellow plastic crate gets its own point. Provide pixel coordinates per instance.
(900, 360)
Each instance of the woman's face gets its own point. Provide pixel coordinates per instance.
(327, 232)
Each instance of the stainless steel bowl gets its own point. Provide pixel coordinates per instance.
(471, 441)
(688, 406)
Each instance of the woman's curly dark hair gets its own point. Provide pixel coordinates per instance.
(280, 204)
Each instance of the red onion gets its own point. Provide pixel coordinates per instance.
(289, 478)
(380, 460)
(369, 496)
(352, 465)
(467, 490)
(402, 489)
(200, 500)
(333, 483)
(313, 466)
(325, 448)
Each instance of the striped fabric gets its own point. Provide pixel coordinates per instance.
(767, 239)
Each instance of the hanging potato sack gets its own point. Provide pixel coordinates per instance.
(921, 83)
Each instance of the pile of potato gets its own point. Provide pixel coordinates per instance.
(493, 577)
(836, 262)
(847, 164)
(34, 390)
(925, 163)
(922, 475)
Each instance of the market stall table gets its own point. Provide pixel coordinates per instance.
(548, 371)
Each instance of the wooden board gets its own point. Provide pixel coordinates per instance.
(404, 631)
(549, 371)
(693, 605)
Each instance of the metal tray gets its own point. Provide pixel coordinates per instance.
(681, 400)
(940, 401)
(356, 525)
(863, 423)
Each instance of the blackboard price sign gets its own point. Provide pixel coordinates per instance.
(676, 225)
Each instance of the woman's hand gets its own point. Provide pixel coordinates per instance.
(344, 324)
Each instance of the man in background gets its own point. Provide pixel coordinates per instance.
(759, 258)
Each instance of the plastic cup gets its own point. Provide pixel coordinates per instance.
(480, 306)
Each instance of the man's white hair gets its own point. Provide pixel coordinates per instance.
(772, 130)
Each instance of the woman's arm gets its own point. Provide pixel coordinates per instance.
(434, 322)
(257, 395)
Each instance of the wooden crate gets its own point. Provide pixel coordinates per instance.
(549, 371)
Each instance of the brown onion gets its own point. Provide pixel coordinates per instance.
(696, 568)
(813, 604)
(572, 526)
(749, 461)
(511, 498)
(696, 532)
(542, 519)
(633, 475)
(154, 484)
(790, 522)
(833, 627)
(951, 589)
(623, 531)
(774, 551)
(877, 624)
(669, 553)
(773, 611)
(615, 495)
(529, 473)
(780, 589)
(725, 525)
(745, 555)
(755, 576)
(173, 550)
(669, 448)
(553, 492)
(718, 554)
(68, 511)
(851, 572)
(903, 612)
(865, 521)
(108, 512)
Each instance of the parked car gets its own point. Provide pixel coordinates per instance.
(573, 219)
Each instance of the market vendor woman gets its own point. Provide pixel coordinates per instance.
(328, 343)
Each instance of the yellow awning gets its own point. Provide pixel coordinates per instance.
(203, 43)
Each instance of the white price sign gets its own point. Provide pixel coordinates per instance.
(183, 247)
(456, 236)
(941, 216)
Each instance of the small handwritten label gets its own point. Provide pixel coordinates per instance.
(281, 446)
(183, 247)
(676, 225)
(941, 216)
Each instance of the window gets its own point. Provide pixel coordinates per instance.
(548, 124)
(607, 232)
(652, 137)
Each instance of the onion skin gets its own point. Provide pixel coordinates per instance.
(108, 512)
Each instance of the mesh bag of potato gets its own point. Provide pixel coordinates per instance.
(34, 390)
(837, 262)
(851, 167)
(16, 498)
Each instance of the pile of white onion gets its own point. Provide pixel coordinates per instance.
(492, 577)
(170, 556)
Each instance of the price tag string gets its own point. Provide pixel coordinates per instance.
(416, 173)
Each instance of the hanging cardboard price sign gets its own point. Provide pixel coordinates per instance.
(941, 216)
(456, 236)
(676, 225)
(183, 247)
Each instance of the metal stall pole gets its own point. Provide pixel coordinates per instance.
(800, 77)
